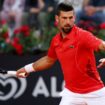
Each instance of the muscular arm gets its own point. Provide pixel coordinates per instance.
(43, 63)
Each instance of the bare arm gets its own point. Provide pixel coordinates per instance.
(102, 61)
(41, 64)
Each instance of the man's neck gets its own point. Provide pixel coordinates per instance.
(63, 35)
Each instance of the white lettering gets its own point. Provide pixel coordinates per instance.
(54, 92)
(40, 88)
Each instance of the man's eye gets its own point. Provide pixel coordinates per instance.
(70, 17)
(64, 18)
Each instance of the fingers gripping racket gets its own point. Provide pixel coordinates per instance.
(10, 72)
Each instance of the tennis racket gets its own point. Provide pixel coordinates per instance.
(10, 72)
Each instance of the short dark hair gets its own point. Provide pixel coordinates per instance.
(64, 6)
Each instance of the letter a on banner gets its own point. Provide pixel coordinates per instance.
(40, 88)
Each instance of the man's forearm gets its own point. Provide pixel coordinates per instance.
(43, 63)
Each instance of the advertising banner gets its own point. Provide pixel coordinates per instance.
(39, 88)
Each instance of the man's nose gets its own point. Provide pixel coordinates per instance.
(68, 21)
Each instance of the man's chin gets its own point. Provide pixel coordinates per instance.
(67, 31)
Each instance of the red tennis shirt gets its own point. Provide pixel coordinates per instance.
(76, 55)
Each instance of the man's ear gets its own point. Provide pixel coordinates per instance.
(56, 18)
(74, 16)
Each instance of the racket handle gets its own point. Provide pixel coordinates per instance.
(11, 72)
(14, 73)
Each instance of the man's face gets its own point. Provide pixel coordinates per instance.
(65, 21)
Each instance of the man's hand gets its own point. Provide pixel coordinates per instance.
(22, 73)
(102, 63)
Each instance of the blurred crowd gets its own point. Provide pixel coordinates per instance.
(34, 12)
(93, 10)
(39, 14)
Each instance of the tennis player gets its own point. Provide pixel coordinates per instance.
(74, 48)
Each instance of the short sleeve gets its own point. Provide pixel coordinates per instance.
(51, 51)
(90, 41)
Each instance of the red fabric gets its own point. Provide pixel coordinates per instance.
(76, 55)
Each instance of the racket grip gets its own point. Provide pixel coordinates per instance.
(11, 73)
(14, 73)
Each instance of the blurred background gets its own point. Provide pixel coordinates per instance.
(26, 29)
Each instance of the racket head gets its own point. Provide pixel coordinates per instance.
(3, 71)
